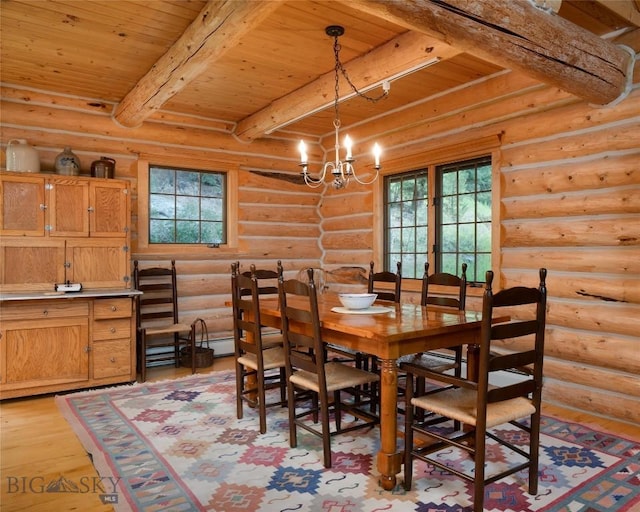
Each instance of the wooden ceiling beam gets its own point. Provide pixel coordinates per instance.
(406, 52)
(626, 9)
(518, 35)
(220, 25)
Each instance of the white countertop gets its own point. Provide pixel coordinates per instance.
(84, 294)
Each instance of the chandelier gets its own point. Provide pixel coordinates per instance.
(342, 170)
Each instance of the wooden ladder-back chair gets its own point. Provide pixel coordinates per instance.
(385, 277)
(157, 318)
(267, 287)
(263, 362)
(308, 370)
(484, 405)
(455, 288)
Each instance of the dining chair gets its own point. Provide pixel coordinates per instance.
(375, 278)
(494, 400)
(157, 319)
(452, 293)
(253, 356)
(336, 387)
(267, 287)
(373, 286)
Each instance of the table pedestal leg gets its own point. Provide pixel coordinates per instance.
(389, 459)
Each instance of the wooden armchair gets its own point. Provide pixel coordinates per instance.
(483, 405)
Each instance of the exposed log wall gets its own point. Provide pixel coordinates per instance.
(569, 189)
(569, 200)
(277, 219)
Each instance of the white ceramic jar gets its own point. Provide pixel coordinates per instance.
(22, 157)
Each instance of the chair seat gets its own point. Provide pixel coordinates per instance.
(167, 329)
(272, 358)
(427, 361)
(338, 375)
(460, 404)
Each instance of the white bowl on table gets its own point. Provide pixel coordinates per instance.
(357, 300)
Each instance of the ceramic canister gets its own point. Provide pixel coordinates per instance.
(67, 163)
(22, 157)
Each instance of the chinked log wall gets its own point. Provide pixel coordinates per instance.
(569, 190)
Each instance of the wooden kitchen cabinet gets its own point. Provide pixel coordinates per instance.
(63, 228)
(98, 263)
(31, 263)
(55, 229)
(22, 210)
(66, 206)
(44, 346)
(58, 344)
(113, 355)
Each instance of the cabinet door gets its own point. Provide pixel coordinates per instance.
(23, 205)
(34, 264)
(68, 207)
(98, 263)
(109, 211)
(52, 351)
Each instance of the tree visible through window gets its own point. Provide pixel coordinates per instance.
(186, 206)
(460, 194)
(463, 218)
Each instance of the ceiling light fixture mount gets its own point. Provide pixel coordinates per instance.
(342, 170)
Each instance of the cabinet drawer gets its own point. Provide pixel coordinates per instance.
(112, 329)
(111, 358)
(58, 309)
(112, 308)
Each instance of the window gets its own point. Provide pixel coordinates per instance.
(457, 229)
(406, 222)
(187, 206)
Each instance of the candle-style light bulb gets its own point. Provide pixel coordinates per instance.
(376, 155)
(347, 145)
(302, 147)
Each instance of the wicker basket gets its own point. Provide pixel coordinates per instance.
(204, 355)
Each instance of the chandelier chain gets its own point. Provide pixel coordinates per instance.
(339, 67)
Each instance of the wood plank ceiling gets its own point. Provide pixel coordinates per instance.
(261, 55)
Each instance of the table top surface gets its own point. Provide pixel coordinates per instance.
(405, 329)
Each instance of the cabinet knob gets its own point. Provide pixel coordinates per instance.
(113, 330)
(114, 308)
(90, 209)
(45, 312)
(113, 359)
(43, 207)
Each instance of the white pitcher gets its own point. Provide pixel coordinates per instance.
(21, 157)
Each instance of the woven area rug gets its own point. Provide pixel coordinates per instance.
(177, 446)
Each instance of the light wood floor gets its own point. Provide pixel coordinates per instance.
(38, 446)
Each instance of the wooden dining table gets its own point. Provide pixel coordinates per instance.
(402, 329)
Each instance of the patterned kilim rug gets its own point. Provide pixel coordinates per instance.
(177, 446)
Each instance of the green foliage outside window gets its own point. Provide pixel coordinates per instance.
(462, 234)
(186, 206)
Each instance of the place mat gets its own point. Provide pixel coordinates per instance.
(371, 310)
